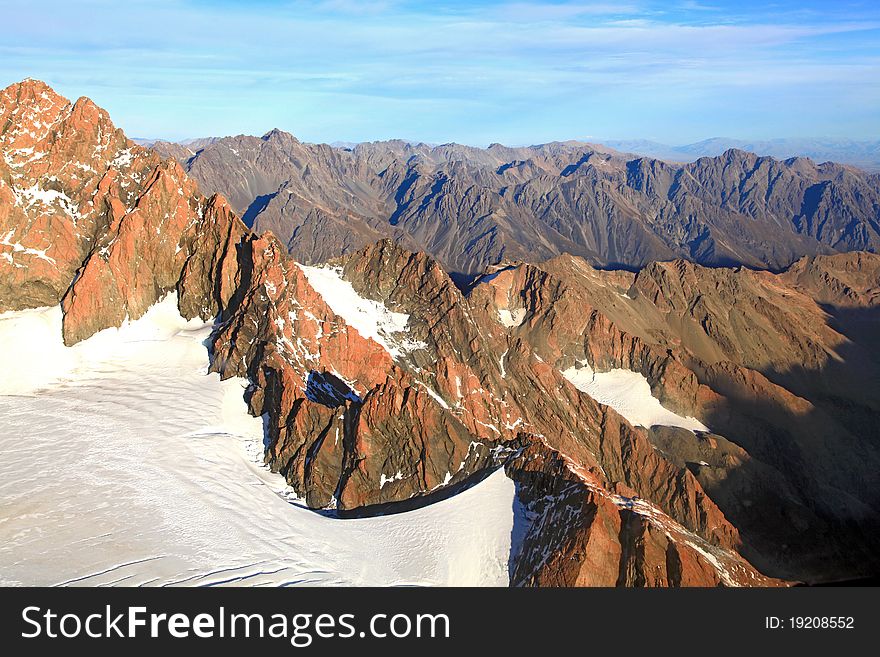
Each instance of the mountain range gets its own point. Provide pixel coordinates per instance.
(412, 318)
(864, 154)
(470, 208)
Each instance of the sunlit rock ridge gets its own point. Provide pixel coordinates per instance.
(385, 386)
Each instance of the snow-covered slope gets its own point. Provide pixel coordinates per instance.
(33, 353)
(628, 393)
(370, 318)
(124, 463)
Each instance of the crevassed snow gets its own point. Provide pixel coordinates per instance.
(628, 393)
(369, 318)
(126, 464)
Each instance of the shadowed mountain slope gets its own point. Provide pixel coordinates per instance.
(470, 207)
(678, 426)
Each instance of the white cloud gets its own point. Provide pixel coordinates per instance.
(321, 68)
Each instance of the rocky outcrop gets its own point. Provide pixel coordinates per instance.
(210, 274)
(849, 280)
(318, 380)
(55, 156)
(352, 424)
(382, 384)
(100, 224)
(142, 255)
(754, 356)
(574, 533)
(408, 422)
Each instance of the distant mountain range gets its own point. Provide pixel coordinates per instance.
(676, 426)
(472, 207)
(864, 154)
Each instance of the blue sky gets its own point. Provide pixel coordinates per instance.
(473, 72)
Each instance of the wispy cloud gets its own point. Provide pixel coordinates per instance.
(542, 12)
(470, 71)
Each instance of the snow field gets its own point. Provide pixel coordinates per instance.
(628, 393)
(124, 463)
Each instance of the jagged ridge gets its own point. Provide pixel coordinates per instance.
(382, 381)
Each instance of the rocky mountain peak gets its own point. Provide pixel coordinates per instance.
(280, 135)
(90, 218)
(664, 427)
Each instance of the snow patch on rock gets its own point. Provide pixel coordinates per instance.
(27, 197)
(369, 318)
(17, 247)
(628, 393)
(513, 318)
(123, 159)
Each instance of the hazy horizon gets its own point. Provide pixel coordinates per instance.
(589, 139)
(466, 72)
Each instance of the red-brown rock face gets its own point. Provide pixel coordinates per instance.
(93, 220)
(382, 383)
(55, 155)
(756, 358)
(349, 424)
(354, 423)
(577, 533)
